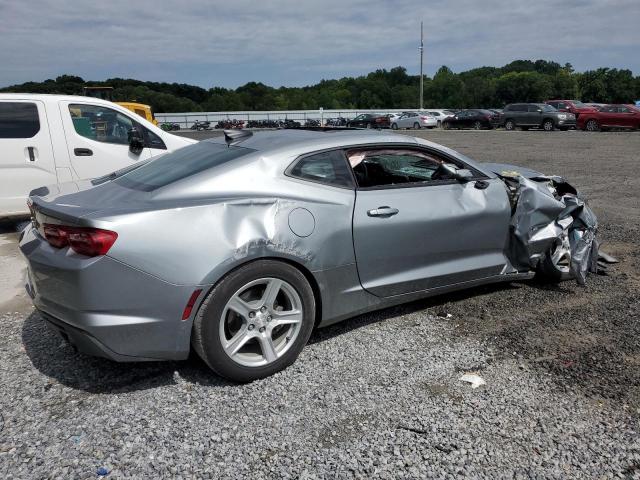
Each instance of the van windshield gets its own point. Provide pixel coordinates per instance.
(182, 163)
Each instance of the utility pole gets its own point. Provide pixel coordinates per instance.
(421, 76)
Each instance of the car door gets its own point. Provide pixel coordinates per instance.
(534, 115)
(98, 138)
(626, 118)
(607, 116)
(414, 229)
(26, 159)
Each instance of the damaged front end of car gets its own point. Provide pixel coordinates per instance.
(547, 211)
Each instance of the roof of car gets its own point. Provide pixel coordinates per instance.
(307, 140)
(52, 97)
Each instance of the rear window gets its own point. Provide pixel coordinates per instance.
(18, 120)
(180, 164)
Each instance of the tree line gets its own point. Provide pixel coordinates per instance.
(518, 81)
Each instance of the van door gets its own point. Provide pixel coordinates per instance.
(98, 138)
(26, 160)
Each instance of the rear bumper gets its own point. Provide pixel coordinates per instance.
(105, 307)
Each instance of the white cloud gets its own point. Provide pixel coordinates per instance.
(213, 42)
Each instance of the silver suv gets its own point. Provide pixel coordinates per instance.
(536, 115)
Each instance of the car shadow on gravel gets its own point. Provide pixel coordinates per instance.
(53, 357)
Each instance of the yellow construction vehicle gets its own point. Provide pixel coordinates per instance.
(106, 93)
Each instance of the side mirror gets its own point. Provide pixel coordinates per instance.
(449, 171)
(136, 143)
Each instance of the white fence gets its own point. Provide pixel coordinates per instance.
(186, 119)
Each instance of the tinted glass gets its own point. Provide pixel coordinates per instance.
(101, 124)
(18, 120)
(326, 167)
(180, 164)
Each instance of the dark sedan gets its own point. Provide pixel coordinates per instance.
(370, 120)
(476, 119)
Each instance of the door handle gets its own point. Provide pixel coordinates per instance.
(32, 153)
(382, 212)
(83, 152)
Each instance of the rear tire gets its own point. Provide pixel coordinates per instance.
(416, 126)
(477, 125)
(510, 125)
(271, 295)
(394, 126)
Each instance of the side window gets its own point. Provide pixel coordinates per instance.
(19, 120)
(101, 124)
(325, 167)
(384, 167)
(608, 109)
(533, 108)
(142, 113)
(623, 110)
(561, 105)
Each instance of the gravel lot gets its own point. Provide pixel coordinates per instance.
(378, 395)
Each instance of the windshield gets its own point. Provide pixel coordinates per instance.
(180, 164)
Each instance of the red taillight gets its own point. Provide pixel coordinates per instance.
(82, 240)
(56, 236)
(190, 304)
(424, 118)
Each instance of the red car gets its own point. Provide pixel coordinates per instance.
(572, 106)
(610, 116)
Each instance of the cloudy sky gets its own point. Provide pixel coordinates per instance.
(298, 42)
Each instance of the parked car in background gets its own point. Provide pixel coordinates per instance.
(440, 115)
(415, 120)
(370, 120)
(576, 107)
(535, 115)
(610, 117)
(51, 139)
(476, 119)
(184, 254)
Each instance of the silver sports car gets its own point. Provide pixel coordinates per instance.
(239, 246)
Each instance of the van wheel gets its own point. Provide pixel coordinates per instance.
(510, 125)
(548, 125)
(255, 321)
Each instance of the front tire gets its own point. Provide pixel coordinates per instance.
(555, 266)
(394, 126)
(477, 125)
(592, 126)
(548, 125)
(446, 125)
(255, 321)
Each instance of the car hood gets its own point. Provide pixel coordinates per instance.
(499, 168)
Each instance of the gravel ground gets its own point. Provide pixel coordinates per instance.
(377, 396)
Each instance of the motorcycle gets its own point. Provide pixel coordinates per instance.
(198, 125)
(169, 127)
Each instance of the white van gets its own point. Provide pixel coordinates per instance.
(49, 139)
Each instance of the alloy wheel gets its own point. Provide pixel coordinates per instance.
(260, 322)
(592, 126)
(547, 125)
(561, 253)
(477, 125)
